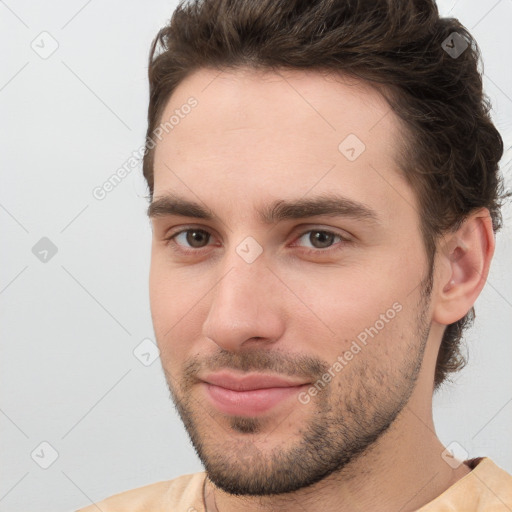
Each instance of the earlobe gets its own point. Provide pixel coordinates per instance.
(465, 262)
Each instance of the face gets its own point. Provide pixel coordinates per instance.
(287, 303)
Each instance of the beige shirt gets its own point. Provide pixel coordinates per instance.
(487, 488)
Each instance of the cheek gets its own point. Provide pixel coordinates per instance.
(172, 292)
(361, 304)
(177, 310)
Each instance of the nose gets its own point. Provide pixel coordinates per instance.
(246, 306)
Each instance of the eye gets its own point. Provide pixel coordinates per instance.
(194, 237)
(192, 240)
(321, 239)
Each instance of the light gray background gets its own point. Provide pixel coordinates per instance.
(69, 326)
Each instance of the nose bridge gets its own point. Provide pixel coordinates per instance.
(243, 303)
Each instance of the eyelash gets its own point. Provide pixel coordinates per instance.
(170, 240)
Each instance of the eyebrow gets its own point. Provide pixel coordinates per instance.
(326, 204)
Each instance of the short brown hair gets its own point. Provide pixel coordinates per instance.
(451, 148)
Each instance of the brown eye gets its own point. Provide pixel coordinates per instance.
(189, 239)
(320, 239)
(196, 238)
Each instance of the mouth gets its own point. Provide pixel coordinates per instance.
(248, 395)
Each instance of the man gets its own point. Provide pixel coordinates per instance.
(324, 190)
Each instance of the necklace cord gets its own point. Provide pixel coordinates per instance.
(209, 497)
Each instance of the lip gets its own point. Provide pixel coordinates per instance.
(248, 395)
(249, 382)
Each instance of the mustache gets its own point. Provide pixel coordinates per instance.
(267, 361)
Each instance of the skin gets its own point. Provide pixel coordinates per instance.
(366, 441)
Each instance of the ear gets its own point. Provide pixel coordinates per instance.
(463, 265)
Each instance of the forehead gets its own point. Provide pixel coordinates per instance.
(253, 133)
(299, 104)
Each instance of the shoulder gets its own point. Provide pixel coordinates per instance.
(496, 479)
(487, 487)
(181, 493)
(491, 485)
